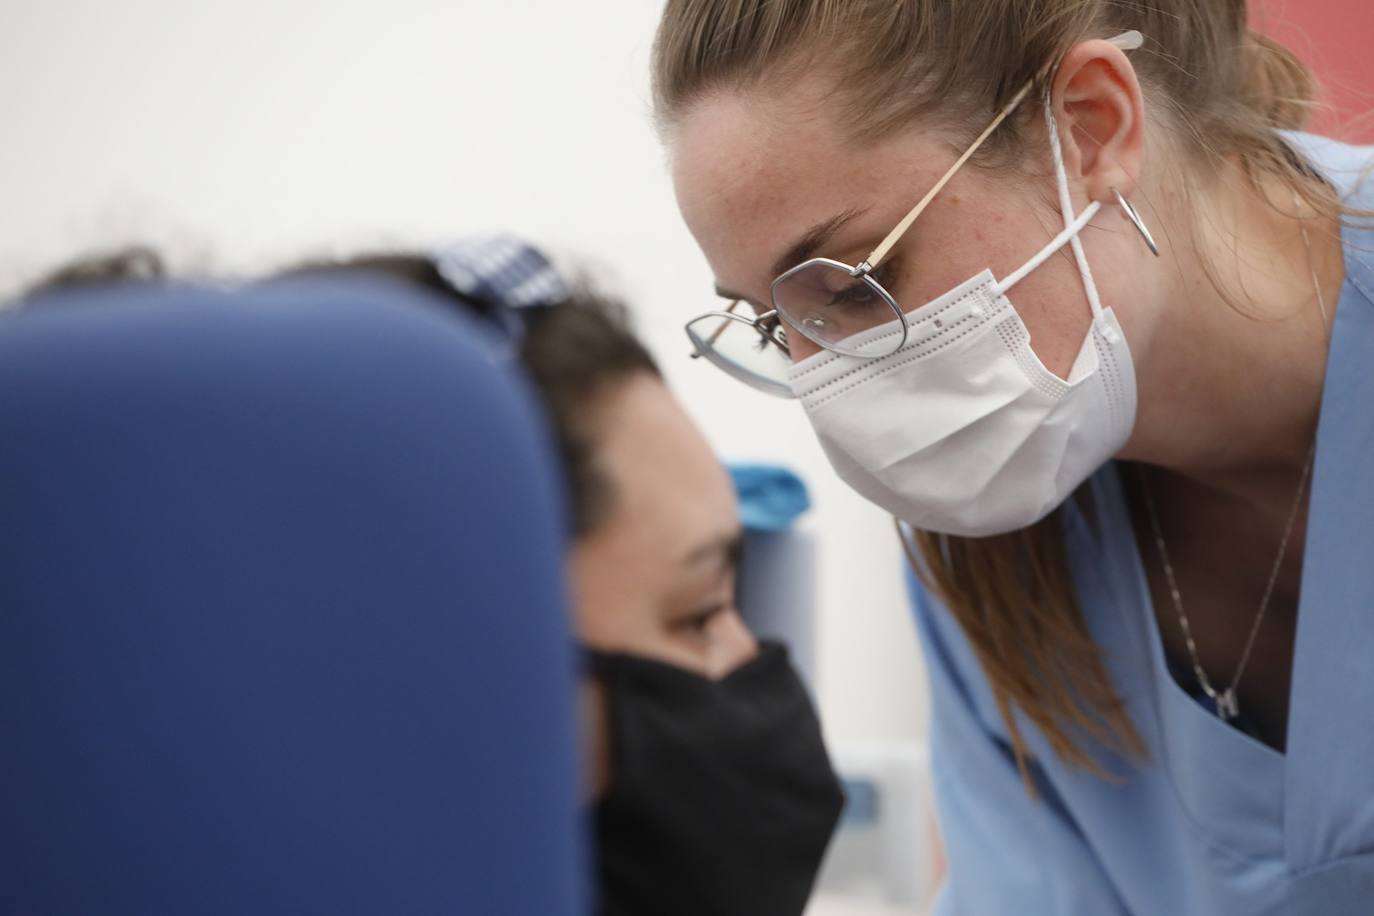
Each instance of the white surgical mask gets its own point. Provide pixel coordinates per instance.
(963, 430)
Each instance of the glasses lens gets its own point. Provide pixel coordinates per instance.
(743, 352)
(828, 304)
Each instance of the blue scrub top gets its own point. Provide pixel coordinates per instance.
(1214, 821)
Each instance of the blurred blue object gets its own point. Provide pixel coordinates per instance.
(281, 627)
(775, 589)
(771, 498)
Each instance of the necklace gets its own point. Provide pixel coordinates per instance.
(1227, 704)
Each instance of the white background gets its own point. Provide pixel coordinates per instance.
(242, 135)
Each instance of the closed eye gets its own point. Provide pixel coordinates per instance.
(861, 293)
(699, 620)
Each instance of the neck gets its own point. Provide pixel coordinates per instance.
(1231, 379)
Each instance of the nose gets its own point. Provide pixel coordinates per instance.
(731, 644)
(799, 346)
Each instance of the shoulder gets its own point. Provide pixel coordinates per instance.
(1350, 170)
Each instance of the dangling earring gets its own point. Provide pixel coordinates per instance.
(1134, 216)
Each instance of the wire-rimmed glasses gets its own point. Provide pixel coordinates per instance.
(751, 348)
(827, 301)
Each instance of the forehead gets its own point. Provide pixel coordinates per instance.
(753, 171)
(670, 491)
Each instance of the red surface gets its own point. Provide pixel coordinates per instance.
(1336, 39)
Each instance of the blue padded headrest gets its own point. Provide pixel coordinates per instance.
(281, 621)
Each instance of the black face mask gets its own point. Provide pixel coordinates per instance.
(722, 798)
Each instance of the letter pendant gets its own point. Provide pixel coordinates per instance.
(1228, 707)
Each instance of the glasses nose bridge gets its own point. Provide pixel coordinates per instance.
(796, 345)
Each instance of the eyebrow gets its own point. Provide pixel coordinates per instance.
(805, 247)
(725, 548)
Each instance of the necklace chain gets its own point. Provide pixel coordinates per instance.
(1227, 704)
(1228, 707)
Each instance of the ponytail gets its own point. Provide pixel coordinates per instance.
(1278, 87)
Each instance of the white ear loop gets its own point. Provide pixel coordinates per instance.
(1126, 41)
(1073, 226)
(1070, 234)
(1066, 205)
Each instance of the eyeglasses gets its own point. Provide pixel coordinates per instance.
(829, 302)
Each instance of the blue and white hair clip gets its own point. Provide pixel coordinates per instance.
(502, 275)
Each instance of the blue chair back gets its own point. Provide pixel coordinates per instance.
(281, 620)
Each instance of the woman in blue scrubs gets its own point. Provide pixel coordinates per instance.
(1060, 284)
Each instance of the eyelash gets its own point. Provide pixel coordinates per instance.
(769, 326)
(886, 273)
(857, 292)
(699, 621)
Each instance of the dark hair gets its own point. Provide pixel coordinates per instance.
(131, 264)
(575, 351)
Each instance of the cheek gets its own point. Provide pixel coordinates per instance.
(1051, 300)
(619, 606)
(611, 601)
(1055, 311)
(962, 235)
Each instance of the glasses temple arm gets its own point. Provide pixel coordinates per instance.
(895, 236)
(1126, 41)
(715, 336)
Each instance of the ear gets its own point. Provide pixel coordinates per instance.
(1097, 101)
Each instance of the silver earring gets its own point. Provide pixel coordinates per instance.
(1134, 216)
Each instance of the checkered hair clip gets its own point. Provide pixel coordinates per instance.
(504, 278)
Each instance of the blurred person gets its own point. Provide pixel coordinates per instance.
(709, 785)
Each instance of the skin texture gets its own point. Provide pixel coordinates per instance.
(657, 577)
(755, 169)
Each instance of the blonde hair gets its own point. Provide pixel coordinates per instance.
(1226, 92)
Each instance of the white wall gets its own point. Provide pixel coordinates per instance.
(239, 135)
